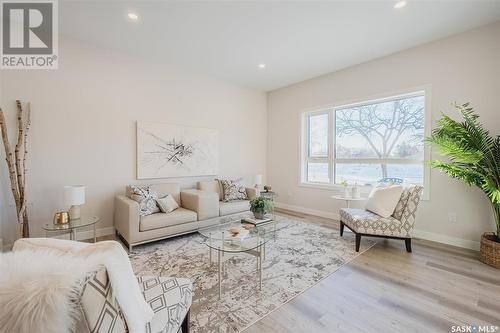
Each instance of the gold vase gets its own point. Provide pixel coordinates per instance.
(61, 218)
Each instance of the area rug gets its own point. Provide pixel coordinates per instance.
(300, 257)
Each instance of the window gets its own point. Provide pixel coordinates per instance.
(365, 142)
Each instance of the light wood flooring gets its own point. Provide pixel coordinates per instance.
(387, 289)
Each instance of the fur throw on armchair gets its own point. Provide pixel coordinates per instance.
(39, 291)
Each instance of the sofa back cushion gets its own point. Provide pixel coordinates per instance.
(163, 189)
(211, 186)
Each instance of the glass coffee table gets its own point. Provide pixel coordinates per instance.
(250, 239)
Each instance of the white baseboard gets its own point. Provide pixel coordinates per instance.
(440, 238)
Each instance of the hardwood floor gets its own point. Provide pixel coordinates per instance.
(387, 289)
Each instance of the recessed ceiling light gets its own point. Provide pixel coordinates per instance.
(133, 16)
(400, 4)
(262, 65)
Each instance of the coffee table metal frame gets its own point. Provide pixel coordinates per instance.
(254, 245)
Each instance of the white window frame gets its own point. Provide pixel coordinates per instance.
(330, 110)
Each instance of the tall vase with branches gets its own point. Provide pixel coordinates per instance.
(473, 155)
(16, 163)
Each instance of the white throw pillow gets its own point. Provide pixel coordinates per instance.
(167, 204)
(383, 200)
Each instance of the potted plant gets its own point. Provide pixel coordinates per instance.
(474, 157)
(259, 206)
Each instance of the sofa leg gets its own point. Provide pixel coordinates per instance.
(408, 244)
(358, 242)
(129, 248)
(185, 323)
(341, 228)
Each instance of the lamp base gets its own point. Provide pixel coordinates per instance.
(74, 212)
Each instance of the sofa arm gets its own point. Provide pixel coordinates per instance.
(126, 217)
(251, 192)
(41, 244)
(204, 203)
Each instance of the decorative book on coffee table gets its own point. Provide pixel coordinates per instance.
(256, 221)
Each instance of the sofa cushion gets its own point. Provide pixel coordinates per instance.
(163, 189)
(233, 190)
(232, 207)
(383, 200)
(162, 220)
(366, 222)
(167, 204)
(100, 311)
(211, 186)
(146, 197)
(170, 298)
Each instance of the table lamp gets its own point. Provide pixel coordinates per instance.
(74, 196)
(258, 182)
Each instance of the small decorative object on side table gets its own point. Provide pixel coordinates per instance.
(74, 196)
(72, 226)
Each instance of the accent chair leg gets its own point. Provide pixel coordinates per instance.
(358, 242)
(408, 244)
(341, 228)
(130, 248)
(185, 323)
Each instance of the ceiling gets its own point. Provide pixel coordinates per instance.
(295, 40)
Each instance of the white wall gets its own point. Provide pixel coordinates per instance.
(462, 68)
(83, 126)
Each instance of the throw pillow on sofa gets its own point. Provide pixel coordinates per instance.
(146, 199)
(383, 200)
(232, 190)
(167, 204)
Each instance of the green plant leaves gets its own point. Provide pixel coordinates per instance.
(473, 154)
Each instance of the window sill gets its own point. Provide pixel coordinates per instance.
(364, 189)
(332, 187)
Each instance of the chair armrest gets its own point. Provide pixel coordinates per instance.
(37, 244)
(204, 203)
(126, 217)
(251, 192)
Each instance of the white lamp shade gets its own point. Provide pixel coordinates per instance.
(74, 195)
(258, 180)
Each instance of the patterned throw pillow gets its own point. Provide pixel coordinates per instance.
(233, 190)
(146, 199)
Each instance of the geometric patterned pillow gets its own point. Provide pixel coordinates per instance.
(170, 298)
(99, 310)
(233, 190)
(146, 199)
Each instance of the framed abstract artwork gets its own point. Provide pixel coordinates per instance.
(165, 150)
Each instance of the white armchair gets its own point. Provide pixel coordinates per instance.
(99, 311)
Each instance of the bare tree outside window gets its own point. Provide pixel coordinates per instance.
(381, 131)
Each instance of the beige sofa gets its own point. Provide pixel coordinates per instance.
(198, 208)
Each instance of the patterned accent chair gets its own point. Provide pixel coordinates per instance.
(397, 226)
(170, 299)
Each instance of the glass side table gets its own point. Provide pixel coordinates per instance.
(72, 226)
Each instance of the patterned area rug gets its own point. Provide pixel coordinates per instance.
(302, 255)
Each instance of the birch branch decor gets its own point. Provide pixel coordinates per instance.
(16, 163)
